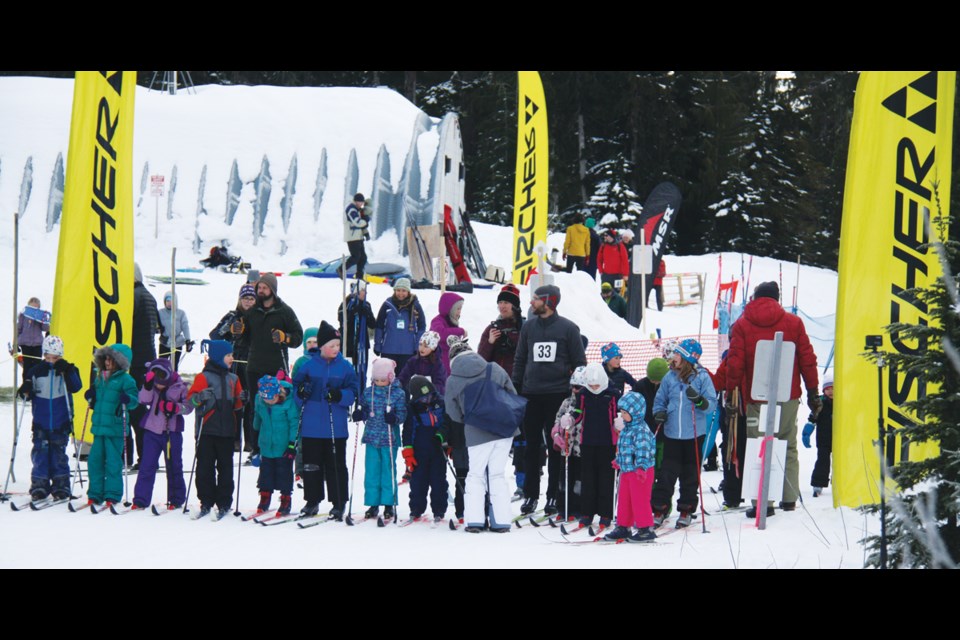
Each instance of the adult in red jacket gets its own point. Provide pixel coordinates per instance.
(761, 319)
(612, 260)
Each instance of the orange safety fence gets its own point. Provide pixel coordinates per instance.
(636, 353)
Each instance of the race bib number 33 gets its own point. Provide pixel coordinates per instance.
(544, 351)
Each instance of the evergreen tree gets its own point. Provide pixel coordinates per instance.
(922, 522)
(613, 203)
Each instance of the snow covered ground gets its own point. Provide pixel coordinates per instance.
(814, 536)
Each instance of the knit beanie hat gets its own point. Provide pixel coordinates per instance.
(270, 280)
(248, 291)
(326, 333)
(268, 387)
(419, 387)
(510, 293)
(401, 283)
(827, 380)
(656, 369)
(53, 345)
(216, 350)
(589, 223)
(606, 286)
(610, 351)
(767, 290)
(550, 294)
(383, 369)
(457, 346)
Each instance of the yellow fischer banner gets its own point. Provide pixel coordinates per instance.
(93, 292)
(898, 172)
(532, 187)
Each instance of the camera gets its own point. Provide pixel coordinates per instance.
(874, 342)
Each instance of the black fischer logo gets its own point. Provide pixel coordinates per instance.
(912, 202)
(530, 109)
(103, 204)
(919, 100)
(527, 213)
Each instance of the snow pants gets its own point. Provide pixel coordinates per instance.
(821, 470)
(51, 466)
(488, 463)
(537, 423)
(154, 446)
(319, 465)
(215, 471)
(276, 474)
(681, 460)
(429, 474)
(105, 469)
(788, 432)
(598, 481)
(379, 476)
(633, 500)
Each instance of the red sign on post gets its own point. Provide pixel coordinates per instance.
(156, 186)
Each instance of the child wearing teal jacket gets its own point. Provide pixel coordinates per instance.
(112, 397)
(277, 420)
(383, 406)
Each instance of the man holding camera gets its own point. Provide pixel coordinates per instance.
(762, 318)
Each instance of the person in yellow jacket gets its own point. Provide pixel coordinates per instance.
(576, 245)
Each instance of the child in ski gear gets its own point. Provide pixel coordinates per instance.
(30, 331)
(164, 394)
(424, 449)
(49, 384)
(310, 349)
(217, 396)
(400, 324)
(682, 408)
(619, 377)
(823, 423)
(615, 302)
(567, 437)
(326, 387)
(636, 453)
(384, 407)
(182, 338)
(277, 420)
(487, 451)
(112, 397)
(447, 323)
(598, 405)
(426, 363)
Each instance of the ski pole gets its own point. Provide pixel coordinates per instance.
(353, 473)
(393, 462)
(76, 453)
(236, 511)
(126, 468)
(13, 454)
(566, 479)
(698, 460)
(198, 428)
(334, 468)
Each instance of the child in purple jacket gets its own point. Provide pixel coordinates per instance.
(164, 394)
(426, 363)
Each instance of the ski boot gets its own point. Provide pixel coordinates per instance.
(388, 512)
(685, 519)
(788, 506)
(336, 514)
(264, 501)
(284, 509)
(551, 507)
(751, 513)
(647, 534)
(137, 507)
(660, 513)
(310, 509)
(529, 506)
(618, 533)
(372, 513)
(817, 492)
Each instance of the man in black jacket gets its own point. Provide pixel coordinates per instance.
(267, 330)
(146, 324)
(549, 350)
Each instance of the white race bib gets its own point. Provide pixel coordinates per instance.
(544, 351)
(401, 324)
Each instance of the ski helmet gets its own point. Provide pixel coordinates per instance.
(53, 345)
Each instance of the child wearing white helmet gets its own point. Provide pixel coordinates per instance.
(50, 384)
(426, 362)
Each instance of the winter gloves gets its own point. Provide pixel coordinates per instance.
(618, 424)
(304, 390)
(189, 345)
(696, 398)
(63, 367)
(237, 327)
(291, 451)
(807, 432)
(814, 402)
(91, 397)
(357, 415)
(660, 417)
(390, 416)
(280, 337)
(26, 390)
(408, 458)
(334, 395)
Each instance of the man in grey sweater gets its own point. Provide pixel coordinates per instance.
(549, 350)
